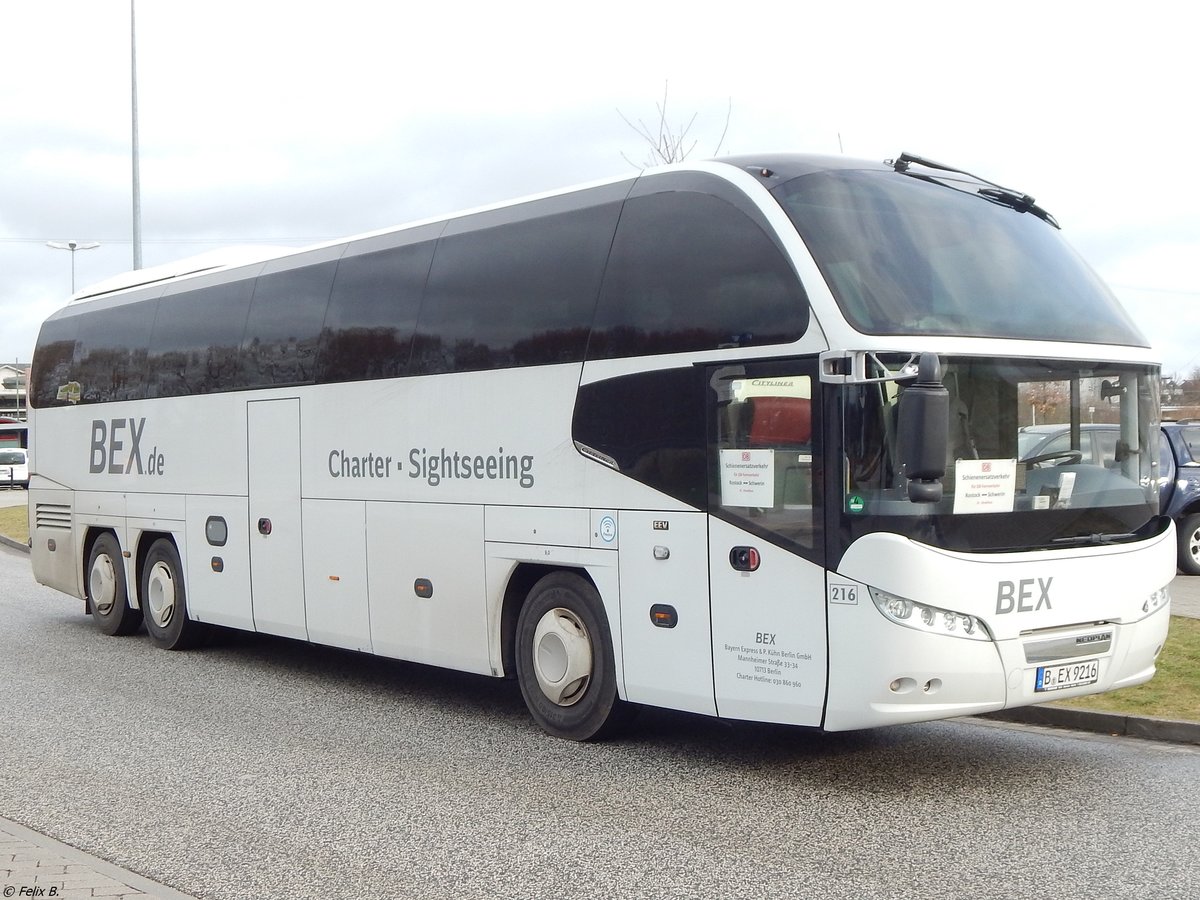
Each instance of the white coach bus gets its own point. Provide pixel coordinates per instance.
(738, 438)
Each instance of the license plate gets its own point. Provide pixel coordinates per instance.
(1058, 678)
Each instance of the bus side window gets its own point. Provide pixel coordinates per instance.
(110, 354)
(372, 313)
(690, 271)
(514, 293)
(284, 326)
(196, 341)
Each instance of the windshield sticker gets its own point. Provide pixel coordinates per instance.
(984, 485)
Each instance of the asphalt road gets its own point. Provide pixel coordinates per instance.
(261, 767)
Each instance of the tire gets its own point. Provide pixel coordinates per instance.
(107, 594)
(164, 600)
(1187, 531)
(564, 660)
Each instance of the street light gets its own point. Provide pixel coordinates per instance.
(72, 246)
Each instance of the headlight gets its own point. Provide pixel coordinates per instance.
(931, 619)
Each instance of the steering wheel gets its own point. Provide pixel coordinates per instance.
(1067, 456)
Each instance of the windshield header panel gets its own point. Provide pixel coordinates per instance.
(930, 252)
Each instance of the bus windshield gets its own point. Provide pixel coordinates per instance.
(1040, 454)
(906, 256)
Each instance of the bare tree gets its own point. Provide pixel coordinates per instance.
(667, 143)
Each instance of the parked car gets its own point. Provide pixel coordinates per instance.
(1098, 443)
(14, 467)
(1179, 488)
(1178, 474)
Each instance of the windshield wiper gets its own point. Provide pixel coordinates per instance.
(1087, 539)
(995, 193)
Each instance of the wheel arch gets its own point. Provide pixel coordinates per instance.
(521, 582)
(92, 534)
(145, 540)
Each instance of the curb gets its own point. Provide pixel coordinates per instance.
(16, 545)
(89, 873)
(1102, 723)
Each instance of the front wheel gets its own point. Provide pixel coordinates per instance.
(564, 660)
(164, 599)
(1188, 531)
(107, 596)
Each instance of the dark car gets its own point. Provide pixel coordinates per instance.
(1052, 443)
(1179, 488)
(1178, 474)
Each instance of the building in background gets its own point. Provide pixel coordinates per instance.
(14, 383)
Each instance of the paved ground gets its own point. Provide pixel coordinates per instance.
(30, 861)
(33, 865)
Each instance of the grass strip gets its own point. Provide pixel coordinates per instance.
(14, 523)
(1173, 693)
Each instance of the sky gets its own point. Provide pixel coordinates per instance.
(291, 123)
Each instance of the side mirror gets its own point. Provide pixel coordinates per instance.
(923, 432)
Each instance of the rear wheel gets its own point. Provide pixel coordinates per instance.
(1188, 531)
(565, 660)
(164, 600)
(108, 597)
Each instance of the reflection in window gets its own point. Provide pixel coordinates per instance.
(373, 313)
(903, 256)
(651, 425)
(691, 272)
(110, 355)
(284, 327)
(194, 348)
(763, 456)
(53, 364)
(519, 294)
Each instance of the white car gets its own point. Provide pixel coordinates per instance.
(14, 467)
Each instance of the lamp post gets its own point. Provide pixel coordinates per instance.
(72, 246)
(137, 178)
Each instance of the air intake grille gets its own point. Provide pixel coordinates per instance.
(52, 515)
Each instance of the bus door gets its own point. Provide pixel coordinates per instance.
(276, 554)
(766, 580)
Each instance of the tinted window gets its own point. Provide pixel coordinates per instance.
(904, 256)
(518, 293)
(284, 327)
(652, 425)
(373, 313)
(689, 271)
(194, 348)
(110, 355)
(52, 361)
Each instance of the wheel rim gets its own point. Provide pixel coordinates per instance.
(102, 584)
(160, 594)
(1194, 545)
(562, 656)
